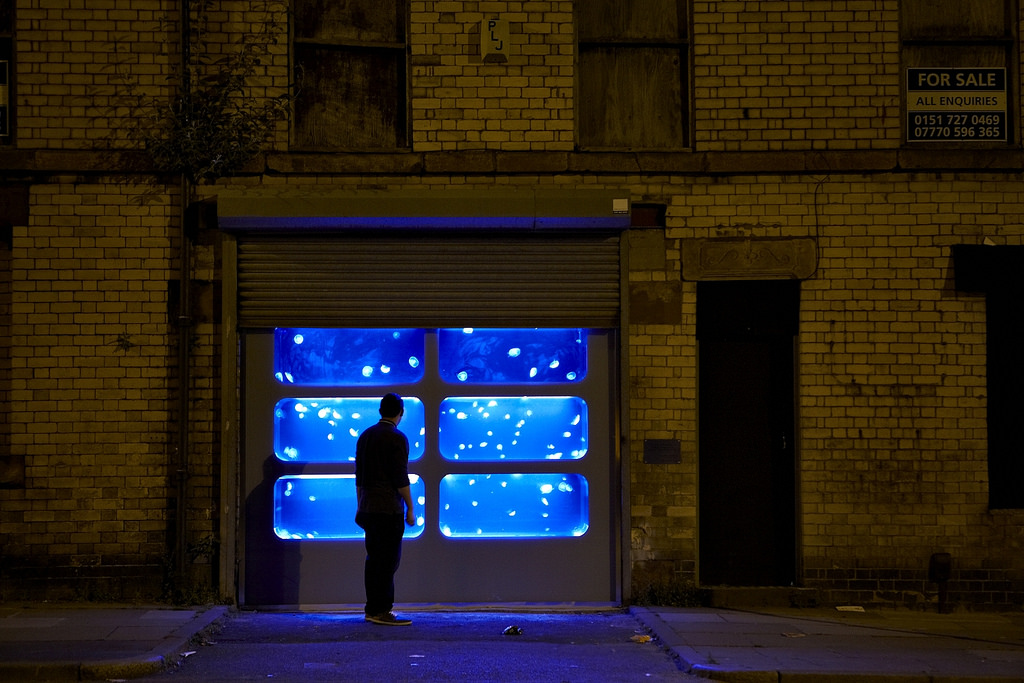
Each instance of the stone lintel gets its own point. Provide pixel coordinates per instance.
(749, 258)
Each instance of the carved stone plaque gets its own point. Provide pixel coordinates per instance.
(749, 258)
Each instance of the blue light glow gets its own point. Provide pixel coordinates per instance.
(322, 431)
(519, 428)
(317, 507)
(325, 430)
(348, 357)
(246, 222)
(512, 356)
(513, 505)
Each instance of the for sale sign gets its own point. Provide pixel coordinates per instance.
(956, 105)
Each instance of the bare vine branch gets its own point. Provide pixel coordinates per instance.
(215, 125)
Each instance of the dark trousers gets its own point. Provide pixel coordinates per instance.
(383, 554)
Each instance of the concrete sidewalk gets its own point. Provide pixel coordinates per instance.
(88, 643)
(817, 645)
(62, 643)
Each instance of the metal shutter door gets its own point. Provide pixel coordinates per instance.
(431, 280)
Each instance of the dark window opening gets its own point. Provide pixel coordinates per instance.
(6, 72)
(13, 212)
(350, 71)
(1005, 330)
(998, 272)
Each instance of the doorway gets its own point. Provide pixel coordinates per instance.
(746, 331)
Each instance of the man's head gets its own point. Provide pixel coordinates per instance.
(391, 406)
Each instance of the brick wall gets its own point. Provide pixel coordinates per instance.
(891, 365)
(90, 379)
(796, 75)
(663, 405)
(460, 102)
(892, 458)
(77, 62)
(93, 280)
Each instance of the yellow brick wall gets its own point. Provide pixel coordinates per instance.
(796, 75)
(75, 62)
(88, 75)
(91, 371)
(892, 377)
(663, 405)
(767, 76)
(891, 365)
(460, 102)
(890, 388)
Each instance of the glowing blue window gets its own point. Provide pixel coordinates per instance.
(322, 507)
(512, 356)
(521, 428)
(348, 357)
(325, 430)
(513, 505)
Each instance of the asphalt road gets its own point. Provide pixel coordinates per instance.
(438, 646)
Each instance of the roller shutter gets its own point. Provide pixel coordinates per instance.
(437, 279)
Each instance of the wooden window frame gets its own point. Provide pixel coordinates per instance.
(396, 52)
(681, 45)
(1007, 42)
(7, 12)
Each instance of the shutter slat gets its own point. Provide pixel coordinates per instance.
(535, 280)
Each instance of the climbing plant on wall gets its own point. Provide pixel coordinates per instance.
(223, 112)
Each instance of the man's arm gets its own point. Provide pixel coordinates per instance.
(406, 494)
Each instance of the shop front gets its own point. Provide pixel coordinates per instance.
(505, 345)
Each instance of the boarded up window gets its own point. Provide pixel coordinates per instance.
(941, 19)
(960, 35)
(632, 62)
(6, 71)
(14, 209)
(938, 33)
(350, 63)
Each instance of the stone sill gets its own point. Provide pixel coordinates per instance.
(29, 165)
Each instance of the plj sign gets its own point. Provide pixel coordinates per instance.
(956, 105)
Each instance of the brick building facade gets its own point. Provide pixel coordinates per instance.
(758, 142)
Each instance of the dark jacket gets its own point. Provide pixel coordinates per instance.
(382, 467)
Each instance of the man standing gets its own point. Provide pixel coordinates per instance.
(382, 491)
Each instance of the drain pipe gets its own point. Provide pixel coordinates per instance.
(184, 331)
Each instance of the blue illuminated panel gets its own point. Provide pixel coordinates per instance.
(323, 507)
(517, 429)
(512, 356)
(520, 428)
(513, 505)
(325, 430)
(348, 357)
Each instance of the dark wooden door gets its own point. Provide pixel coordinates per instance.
(747, 489)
